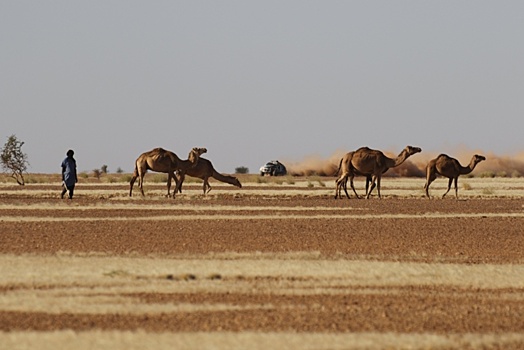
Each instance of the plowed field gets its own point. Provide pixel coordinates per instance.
(274, 265)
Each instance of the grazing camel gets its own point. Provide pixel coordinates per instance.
(347, 173)
(369, 162)
(204, 170)
(162, 161)
(449, 167)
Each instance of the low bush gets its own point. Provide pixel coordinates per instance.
(487, 174)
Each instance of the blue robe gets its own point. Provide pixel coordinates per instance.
(69, 171)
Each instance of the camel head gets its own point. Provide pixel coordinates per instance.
(237, 183)
(198, 150)
(477, 159)
(195, 154)
(410, 150)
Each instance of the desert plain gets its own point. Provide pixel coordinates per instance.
(276, 264)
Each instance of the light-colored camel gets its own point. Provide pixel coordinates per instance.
(204, 170)
(449, 167)
(366, 161)
(347, 172)
(163, 161)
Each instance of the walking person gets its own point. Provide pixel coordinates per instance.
(69, 178)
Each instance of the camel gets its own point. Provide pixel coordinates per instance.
(369, 162)
(449, 167)
(347, 172)
(163, 161)
(204, 170)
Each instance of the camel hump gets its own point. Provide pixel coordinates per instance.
(157, 150)
(365, 148)
(157, 153)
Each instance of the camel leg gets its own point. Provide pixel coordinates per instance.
(449, 187)
(176, 176)
(168, 185)
(131, 183)
(169, 177)
(342, 185)
(136, 174)
(373, 179)
(429, 180)
(378, 186)
(172, 176)
(373, 185)
(206, 184)
(339, 185)
(139, 173)
(178, 182)
(141, 183)
(353, 186)
(346, 187)
(368, 180)
(456, 188)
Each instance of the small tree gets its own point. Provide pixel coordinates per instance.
(14, 160)
(241, 170)
(104, 169)
(97, 173)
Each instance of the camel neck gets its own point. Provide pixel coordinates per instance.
(187, 164)
(468, 169)
(399, 160)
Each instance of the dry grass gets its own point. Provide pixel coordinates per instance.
(125, 274)
(272, 216)
(254, 340)
(257, 186)
(97, 285)
(101, 284)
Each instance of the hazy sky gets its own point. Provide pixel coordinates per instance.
(258, 80)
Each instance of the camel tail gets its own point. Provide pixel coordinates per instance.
(226, 178)
(135, 172)
(339, 166)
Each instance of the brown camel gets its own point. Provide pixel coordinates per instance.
(162, 161)
(449, 167)
(204, 170)
(348, 172)
(366, 161)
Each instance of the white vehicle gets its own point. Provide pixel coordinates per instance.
(273, 168)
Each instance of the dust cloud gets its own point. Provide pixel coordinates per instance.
(415, 166)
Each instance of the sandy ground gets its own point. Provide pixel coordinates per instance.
(270, 265)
